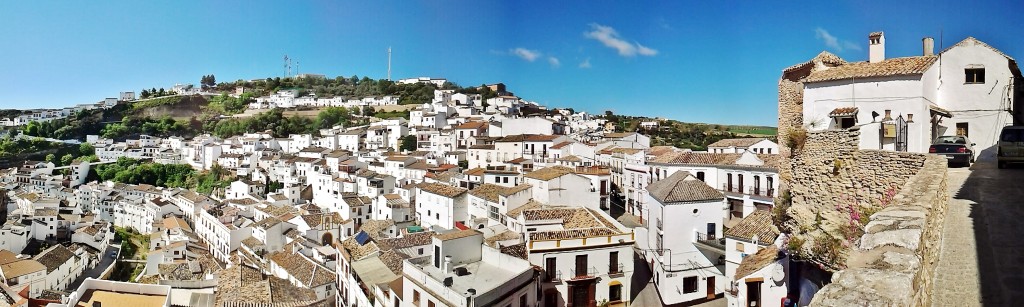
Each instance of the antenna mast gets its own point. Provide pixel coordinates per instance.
(287, 66)
(389, 63)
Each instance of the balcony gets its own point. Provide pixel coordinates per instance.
(555, 276)
(731, 189)
(589, 273)
(616, 269)
(711, 241)
(764, 193)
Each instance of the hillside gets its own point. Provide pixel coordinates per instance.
(694, 136)
(177, 107)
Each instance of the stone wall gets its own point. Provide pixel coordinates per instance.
(791, 116)
(835, 187)
(894, 261)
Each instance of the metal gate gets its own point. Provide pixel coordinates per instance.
(901, 134)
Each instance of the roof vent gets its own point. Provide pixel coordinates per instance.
(461, 271)
(448, 281)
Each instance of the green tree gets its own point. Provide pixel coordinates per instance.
(408, 143)
(32, 128)
(331, 116)
(52, 158)
(66, 159)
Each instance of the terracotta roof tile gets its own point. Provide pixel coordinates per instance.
(847, 111)
(549, 173)
(682, 187)
(441, 189)
(889, 67)
(757, 261)
(527, 138)
(457, 234)
(759, 223)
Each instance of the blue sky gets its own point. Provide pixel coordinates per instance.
(695, 61)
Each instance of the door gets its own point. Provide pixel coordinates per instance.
(711, 287)
(739, 185)
(580, 296)
(581, 265)
(711, 231)
(757, 185)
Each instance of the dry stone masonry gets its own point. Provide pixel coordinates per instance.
(873, 216)
(895, 261)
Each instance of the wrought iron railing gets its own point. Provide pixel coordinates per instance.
(711, 240)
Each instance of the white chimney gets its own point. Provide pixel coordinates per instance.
(447, 264)
(928, 46)
(876, 47)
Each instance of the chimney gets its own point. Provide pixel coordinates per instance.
(447, 265)
(876, 47)
(928, 46)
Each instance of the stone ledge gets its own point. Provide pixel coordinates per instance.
(896, 258)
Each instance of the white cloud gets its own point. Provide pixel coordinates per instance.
(585, 63)
(554, 61)
(611, 39)
(834, 42)
(525, 54)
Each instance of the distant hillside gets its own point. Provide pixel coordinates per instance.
(177, 107)
(694, 136)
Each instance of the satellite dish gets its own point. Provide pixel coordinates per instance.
(778, 273)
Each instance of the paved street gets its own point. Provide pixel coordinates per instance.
(105, 260)
(982, 259)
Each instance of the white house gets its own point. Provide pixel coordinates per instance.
(561, 185)
(441, 205)
(750, 245)
(903, 103)
(755, 145)
(451, 275)
(685, 219)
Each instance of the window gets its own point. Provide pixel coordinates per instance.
(549, 268)
(420, 251)
(522, 300)
(658, 245)
(739, 247)
(961, 129)
(615, 293)
(846, 122)
(690, 284)
(581, 265)
(415, 297)
(700, 176)
(494, 213)
(430, 303)
(974, 75)
(613, 262)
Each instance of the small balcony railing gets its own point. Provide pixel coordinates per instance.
(762, 192)
(590, 272)
(728, 188)
(711, 240)
(555, 276)
(615, 269)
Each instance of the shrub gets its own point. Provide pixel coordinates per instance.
(795, 138)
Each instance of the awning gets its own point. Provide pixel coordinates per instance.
(940, 111)
(843, 112)
(614, 283)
